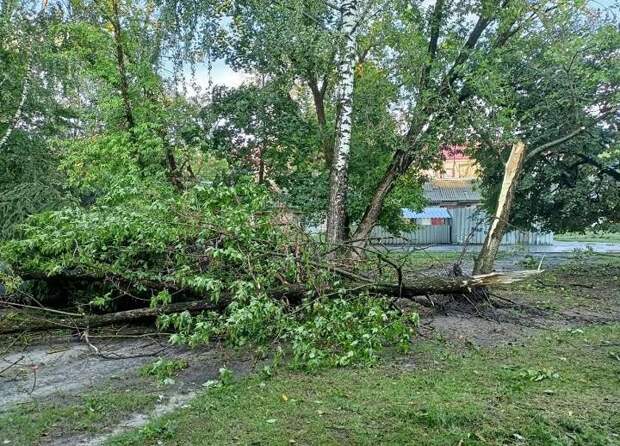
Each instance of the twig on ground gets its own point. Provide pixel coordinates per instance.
(34, 382)
(32, 307)
(111, 355)
(11, 365)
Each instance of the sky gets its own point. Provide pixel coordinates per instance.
(223, 74)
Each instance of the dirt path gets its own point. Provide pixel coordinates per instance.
(60, 372)
(135, 421)
(39, 371)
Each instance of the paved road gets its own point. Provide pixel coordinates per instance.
(556, 248)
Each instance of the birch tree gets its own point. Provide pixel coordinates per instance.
(337, 207)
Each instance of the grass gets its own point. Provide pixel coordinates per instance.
(572, 285)
(560, 389)
(589, 236)
(164, 369)
(93, 412)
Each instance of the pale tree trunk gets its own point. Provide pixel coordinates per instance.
(486, 258)
(18, 111)
(338, 182)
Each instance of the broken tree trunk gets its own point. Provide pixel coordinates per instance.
(451, 285)
(101, 320)
(410, 289)
(486, 258)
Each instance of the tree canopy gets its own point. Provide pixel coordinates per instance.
(124, 176)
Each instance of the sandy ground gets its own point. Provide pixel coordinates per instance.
(59, 369)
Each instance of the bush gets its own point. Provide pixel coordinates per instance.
(216, 240)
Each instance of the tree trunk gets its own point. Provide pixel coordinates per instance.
(401, 160)
(100, 320)
(18, 111)
(173, 170)
(400, 163)
(120, 61)
(338, 183)
(486, 258)
(327, 142)
(411, 289)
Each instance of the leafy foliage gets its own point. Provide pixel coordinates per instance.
(546, 88)
(141, 238)
(320, 332)
(164, 369)
(117, 179)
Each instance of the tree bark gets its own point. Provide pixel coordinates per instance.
(411, 289)
(18, 111)
(327, 142)
(486, 258)
(100, 320)
(403, 158)
(120, 61)
(401, 161)
(173, 170)
(336, 213)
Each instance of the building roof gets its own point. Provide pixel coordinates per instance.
(454, 152)
(451, 190)
(429, 212)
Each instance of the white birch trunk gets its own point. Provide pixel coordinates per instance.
(18, 112)
(338, 184)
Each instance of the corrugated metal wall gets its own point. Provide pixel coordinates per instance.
(472, 222)
(424, 235)
(466, 222)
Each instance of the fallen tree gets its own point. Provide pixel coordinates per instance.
(415, 290)
(211, 263)
(86, 321)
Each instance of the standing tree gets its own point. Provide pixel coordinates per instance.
(339, 175)
(560, 95)
(453, 71)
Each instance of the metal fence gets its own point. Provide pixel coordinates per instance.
(467, 223)
(473, 222)
(423, 235)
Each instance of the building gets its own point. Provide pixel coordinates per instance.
(454, 214)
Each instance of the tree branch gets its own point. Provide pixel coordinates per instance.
(452, 75)
(18, 112)
(554, 143)
(608, 170)
(435, 27)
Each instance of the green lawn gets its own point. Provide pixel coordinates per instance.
(562, 388)
(601, 237)
(30, 423)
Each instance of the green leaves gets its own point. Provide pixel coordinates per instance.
(345, 331)
(538, 375)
